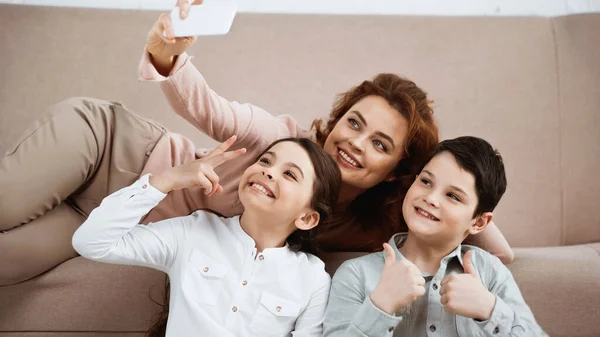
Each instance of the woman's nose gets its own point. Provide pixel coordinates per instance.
(357, 144)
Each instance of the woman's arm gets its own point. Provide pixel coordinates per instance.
(190, 96)
(492, 241)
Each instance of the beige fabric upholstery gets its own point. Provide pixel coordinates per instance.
(579, 85)
(81, 295)
(529, 85)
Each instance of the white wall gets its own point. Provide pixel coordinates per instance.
(424, 7)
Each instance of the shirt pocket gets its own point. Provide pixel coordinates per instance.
(275, 316)
(204, 278)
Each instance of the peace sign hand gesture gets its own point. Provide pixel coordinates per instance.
(199, 172)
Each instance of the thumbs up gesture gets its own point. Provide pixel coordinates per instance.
(400, 284)
(465, 295)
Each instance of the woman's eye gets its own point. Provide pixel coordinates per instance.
(453, 197)
(380, 145)
(290, 174)
(426, 182)
(353, 123)
(264, 160)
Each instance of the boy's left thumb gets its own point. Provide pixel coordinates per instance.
(468, 265)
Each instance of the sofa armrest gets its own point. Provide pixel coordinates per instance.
(562, 287)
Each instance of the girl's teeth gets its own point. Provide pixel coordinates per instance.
(261, 189)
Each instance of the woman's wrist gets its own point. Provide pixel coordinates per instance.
(163, 64)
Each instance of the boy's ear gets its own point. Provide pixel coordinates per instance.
(480, 223)
(307, 220)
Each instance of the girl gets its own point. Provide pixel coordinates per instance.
(241, 276)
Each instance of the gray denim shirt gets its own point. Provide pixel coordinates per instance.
(350, 311)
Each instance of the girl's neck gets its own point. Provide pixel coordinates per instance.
(265, 231)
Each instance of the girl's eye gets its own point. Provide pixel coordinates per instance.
(380, 145)
(453, 197)
(426, 182)
(264, 160)
(353, 123)
(290, 174)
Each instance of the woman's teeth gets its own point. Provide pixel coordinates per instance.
(348, 159)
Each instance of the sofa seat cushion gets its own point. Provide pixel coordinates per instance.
(82, 295)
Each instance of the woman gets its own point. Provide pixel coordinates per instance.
(380, 132)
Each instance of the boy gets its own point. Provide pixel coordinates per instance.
(425, 283)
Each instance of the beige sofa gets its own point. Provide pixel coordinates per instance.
(529, 85)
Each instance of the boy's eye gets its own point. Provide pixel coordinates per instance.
(453, 197)
(290, 174)
(380, 145)
(264, 160)
(426, 182)
(353, 123)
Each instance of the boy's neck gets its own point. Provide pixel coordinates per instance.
(422, 254)
(265, 232)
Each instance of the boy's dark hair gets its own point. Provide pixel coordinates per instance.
(479, 158)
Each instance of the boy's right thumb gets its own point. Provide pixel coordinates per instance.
(390, 255)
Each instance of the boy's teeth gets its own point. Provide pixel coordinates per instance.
(429, 216)
(347, 158)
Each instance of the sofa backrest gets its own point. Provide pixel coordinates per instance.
(529, 85)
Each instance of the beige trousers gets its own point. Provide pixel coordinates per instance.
(77, 153)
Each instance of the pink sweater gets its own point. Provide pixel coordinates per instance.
(191, 98)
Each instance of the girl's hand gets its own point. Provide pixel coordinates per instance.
(199, 172)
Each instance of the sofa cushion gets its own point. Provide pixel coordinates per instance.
(561, 282)
(82, 295)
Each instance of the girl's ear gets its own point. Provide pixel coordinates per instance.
(307, 220)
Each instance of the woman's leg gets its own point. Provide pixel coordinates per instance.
(80, 151)
(41, 244)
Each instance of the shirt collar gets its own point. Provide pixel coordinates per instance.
(250, 244)
(398, 240)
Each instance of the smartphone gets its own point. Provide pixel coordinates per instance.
(212, 17)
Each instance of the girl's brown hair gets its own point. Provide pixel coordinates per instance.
(380, 207)
(326, 189)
